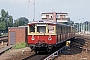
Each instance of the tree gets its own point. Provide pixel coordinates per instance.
(22, 21)
(6, 20)
(2, 26)
(10, 21)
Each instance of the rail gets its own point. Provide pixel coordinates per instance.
(56, 53)
(3, 36)
(35, 57)
(5, 49)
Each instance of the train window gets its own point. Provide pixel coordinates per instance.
(32, 28)
(51, 29)
(64, 30)
(41, 29)
(61, 29)
(58, 29)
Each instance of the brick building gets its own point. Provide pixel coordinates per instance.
(17, 35)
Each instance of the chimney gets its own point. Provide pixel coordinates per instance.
(54, 16)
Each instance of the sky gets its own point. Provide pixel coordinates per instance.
(76, 9)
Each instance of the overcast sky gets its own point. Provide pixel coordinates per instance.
(76, 9)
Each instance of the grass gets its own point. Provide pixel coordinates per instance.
(20, 45)
(7, 50)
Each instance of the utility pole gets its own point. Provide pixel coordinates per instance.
(29, 10)
(34, 10)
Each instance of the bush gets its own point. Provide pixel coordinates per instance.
(20, 45)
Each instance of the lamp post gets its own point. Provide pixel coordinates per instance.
(89, 27)
(83, 26)
(79, 27)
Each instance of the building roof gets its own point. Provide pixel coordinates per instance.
(53, 12)
(48, 22)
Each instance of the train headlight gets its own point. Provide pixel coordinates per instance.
(49, 38)
(32, 38)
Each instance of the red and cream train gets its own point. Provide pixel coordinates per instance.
(47, 36)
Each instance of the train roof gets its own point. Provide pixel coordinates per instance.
(48, 22)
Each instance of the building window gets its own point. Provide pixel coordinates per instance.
(51, 16)
(47, 16)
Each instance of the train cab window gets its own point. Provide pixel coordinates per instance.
(32, 28)
(50, 29)
(41, 28)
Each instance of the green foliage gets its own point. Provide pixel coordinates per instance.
(4, 13)
(22, 21)
(7, 50)
(2, 26)
(20, 45)
(6, 20)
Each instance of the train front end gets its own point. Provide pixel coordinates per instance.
(41, 36)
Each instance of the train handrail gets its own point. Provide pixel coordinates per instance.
(54, 54)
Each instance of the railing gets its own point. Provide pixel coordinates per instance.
(56, 53)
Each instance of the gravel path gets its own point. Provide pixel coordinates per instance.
(16, 54)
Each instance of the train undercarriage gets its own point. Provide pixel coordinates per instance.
(47, 47)
(43, 47)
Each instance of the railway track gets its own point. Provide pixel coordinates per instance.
(35, 57)
(44, 56)
(55, 54)
(76, 48)
(3, 36)
(3, 39)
